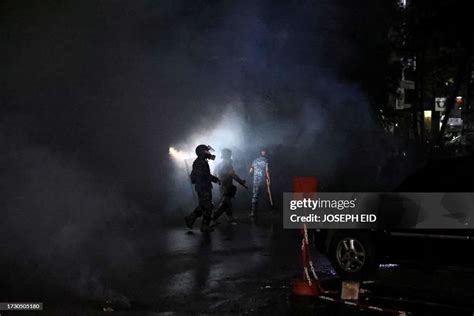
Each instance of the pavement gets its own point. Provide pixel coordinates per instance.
(248, 269)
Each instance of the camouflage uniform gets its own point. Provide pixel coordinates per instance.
(259, 167)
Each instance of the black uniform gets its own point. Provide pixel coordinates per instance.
(225, 172)
(202, 179)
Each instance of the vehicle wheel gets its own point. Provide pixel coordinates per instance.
(352, 254)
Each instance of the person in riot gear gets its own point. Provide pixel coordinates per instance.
(261, 176)
(225, 172)
(202, 179)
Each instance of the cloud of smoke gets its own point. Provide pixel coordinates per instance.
(96, 93)
(63, 226)
(320, 136)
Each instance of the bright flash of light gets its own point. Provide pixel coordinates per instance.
(177, 154)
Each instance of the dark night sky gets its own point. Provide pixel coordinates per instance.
(112, 83)
(92, 93)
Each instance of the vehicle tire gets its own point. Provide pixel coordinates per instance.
(352, 254)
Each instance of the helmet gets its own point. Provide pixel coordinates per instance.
(203, 151)
(226, 153)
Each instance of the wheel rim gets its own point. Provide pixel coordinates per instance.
(350, 254)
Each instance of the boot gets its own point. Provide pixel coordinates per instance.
(205, 228)
(189, 220)
(216, 216)
(232, 220)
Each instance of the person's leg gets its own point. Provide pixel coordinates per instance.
(191, 218)
(228, 208)
(220, 209)
(257, 188)
(205, 202)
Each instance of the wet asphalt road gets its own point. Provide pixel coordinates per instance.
(241, 268)
(247, 269)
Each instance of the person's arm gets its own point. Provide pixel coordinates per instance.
(196, 172)
(236, 177)
(199, 170)
(215, 179)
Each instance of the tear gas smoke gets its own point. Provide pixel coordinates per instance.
(312, 140)
(100, 91)
(57, 225)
